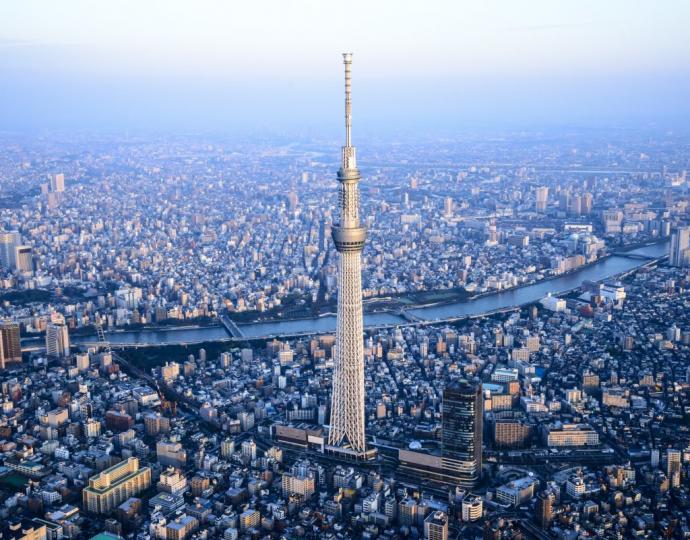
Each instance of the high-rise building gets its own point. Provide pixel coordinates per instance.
(293, 200)
(172, 481)
(544, 516)
(248, 449)
(347, 401)
(227, 448)
(249, 518)
(57, 183)
(436, 526)
(109, 488)
(448, 207)
(57, 340)
(587, 203)
(511, 432)
(472, 507)
(92, 428)
(10, 345)
(542, 198)
(673, 466)
(462, 418)
(679, 251)
(24, 258)
(83, 362)
(155, 423)
(300, 481)
(590, 382)
(8, 242)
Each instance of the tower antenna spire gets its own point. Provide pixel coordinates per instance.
(349, 158)
(347, 60)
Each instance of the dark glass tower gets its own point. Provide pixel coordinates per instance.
(462, 432)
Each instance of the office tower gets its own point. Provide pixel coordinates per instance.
(587, 203)
(53, 200)
(323, 235)
(293, 201)
(225, 360)
(107, 489)
(436, 526)
(10, 345)
(448, 207)
(492, 232)
(57, 340)
(673, 466)
(83, 362)
(564, 201)
(679, 251)
(590, 382)
(542, 198)
(407, 511)
(462, 432)
(576, 205)
(654, 457)
(8, 243)
(544, 516)
(227, 448)
(57, 183)
(155, 423)
(347, 405)
(24, 259)
(248, 449)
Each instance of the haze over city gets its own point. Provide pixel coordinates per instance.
(357, 270)
(434, 67)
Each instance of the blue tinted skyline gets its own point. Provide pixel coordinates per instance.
(436, 67)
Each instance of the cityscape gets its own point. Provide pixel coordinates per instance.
(481, 335)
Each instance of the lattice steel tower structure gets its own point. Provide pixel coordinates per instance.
(347, 401)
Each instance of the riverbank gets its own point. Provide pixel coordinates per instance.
(148, 357)
(494, 302)
(406, 302)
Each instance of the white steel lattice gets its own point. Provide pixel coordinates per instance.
(347, 405)
(347, 400)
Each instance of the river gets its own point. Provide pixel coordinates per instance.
(601, 270)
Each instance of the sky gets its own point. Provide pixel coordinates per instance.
(431, 66)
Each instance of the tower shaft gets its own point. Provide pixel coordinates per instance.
(347, 401)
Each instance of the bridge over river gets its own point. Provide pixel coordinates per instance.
(618, 264)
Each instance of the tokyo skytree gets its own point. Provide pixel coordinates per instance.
(347, 401)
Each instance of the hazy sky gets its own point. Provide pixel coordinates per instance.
(434, 66)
